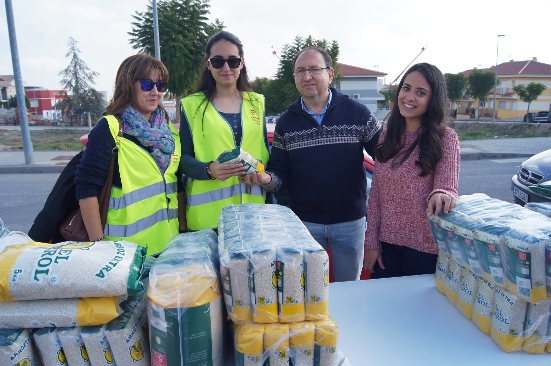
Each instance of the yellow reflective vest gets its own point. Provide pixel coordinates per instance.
(211, 136)
(144, 210)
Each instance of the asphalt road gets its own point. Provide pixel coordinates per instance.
(22, 196)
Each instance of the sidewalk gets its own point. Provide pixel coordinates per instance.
(55, 160)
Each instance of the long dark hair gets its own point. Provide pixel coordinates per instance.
(132, 69)
(432, 124)
(207, 84)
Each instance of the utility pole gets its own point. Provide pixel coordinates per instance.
(25, 134)
(495, 85)
(156, 31)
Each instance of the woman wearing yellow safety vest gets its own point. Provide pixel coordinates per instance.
(223, 113)
(143, 207)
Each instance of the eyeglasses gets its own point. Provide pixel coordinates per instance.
(313, 71)
(218, 62)
(147, 85)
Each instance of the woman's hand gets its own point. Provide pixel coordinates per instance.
(370, 257)
(256, 179)
(223, 171)
(441, 202)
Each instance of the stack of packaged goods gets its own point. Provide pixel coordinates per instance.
(184, 303)
(275, 280)
(495, 267)
(53, 296)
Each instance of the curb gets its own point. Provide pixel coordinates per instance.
(487, 155)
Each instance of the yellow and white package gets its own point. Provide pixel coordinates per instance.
(272, 269)
(508, 320)
(302, 341)
(483, 305)
(97, 346)
(466, 293)
(276, 344)
(327, 333)
(451, 286)
(73, 347)
(239, 155)
(34, 271)
(441, 273)
(185, 308)
(249, 345)
(59, 312)
(535, 327)
(16, 348)
(48, 345)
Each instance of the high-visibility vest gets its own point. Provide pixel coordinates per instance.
(212, 135)
(145, 209)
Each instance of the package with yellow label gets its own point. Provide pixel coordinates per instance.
(238, 155)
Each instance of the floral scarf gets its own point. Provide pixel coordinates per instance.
(154, 134)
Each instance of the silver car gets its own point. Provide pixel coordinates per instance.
(533, 171)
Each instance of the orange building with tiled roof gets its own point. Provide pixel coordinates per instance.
(510, 74)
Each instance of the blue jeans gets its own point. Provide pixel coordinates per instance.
(403, 261)
(346, 240)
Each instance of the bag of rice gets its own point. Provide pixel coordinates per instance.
(234, 273)
(441, 273)
(249, 345)
(290, 284)
(525, 266)
(264, 286)
(316, 268)
(484, 304)
(438, 233)
(48, 345)
(451, 286)
(13, 238)
(59, 312)
(276, 344)
(97, 346)
(535, 327)
(302, 338)
(508, 320)
(185, 310)
(125, 336)
(16, 348)
(238, 155)
(34, 271)
(73, 347)
(466, 293)
(486, 241)
(325, 350)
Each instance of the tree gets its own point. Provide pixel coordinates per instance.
(529, 93)
(183, 34)
(480, 84)
(76, 78)
(389, 94)
(457, 87)
(12, 102)
(284, 84)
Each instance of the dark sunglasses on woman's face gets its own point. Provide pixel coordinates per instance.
(147, 85)
(218, 62)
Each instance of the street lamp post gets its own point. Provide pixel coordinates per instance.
(495, 86)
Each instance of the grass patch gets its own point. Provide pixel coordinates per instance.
(49, 139)
(491, 130)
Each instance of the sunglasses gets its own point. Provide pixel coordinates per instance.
(218, 62)
(147, 85)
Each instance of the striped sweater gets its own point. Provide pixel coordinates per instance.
(322, 165)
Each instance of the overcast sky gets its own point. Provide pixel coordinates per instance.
(380, 35)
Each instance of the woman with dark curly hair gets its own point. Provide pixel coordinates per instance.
(416, 173)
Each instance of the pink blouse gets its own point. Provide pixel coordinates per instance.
(399, 196)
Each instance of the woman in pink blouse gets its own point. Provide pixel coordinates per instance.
(416, 173)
